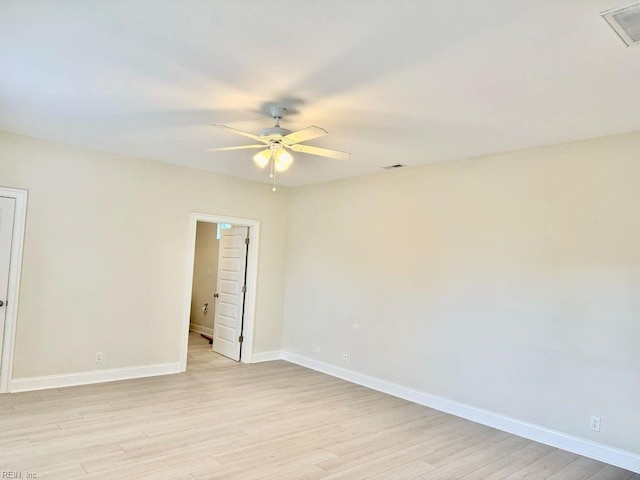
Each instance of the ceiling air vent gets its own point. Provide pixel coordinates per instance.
(393, 167)
(626, 23)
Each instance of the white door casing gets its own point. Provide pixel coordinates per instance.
(7, 212)
(252, 281)
(232, 264)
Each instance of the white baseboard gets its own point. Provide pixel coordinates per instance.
(95, 376)
(201, 329)
(619, 458)
(266, 356)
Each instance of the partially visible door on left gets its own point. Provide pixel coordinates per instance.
(7, 209)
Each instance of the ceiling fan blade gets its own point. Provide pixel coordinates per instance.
(323, 152)
(304, 135)
(240, 147)
(239, 132)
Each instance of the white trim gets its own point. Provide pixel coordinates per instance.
(13, 294)
(252, 281)
(194, 327)
(96, 376)
(619, 458)
(260, 357)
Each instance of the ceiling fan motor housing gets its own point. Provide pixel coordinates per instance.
(274, 132)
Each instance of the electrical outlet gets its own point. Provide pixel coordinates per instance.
(345, 357)
(98, 357)
(595, 423)
(315, 348)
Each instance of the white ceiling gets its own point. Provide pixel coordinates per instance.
(395, 81)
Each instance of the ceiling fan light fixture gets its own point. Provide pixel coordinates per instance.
(261, 159)
(283, 160)
(277, 141)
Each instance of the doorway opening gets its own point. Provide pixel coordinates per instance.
(205, 274)
(221, 289)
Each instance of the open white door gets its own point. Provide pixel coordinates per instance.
(231, 287)
(7, 209)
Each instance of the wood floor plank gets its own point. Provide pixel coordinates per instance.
(500, 468)
(411, 470)
(222, 420)
(609, 472)
(464, 447)
(385, 460)
(64, 473)
(461, 466)
(544, 467)
(302, 466)
(580, 469)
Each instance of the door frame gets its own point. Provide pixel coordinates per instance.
(13, 293)
(246, 354)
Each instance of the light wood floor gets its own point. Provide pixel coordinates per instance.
(225, 420)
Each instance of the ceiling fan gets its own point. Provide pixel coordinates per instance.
(275, 142)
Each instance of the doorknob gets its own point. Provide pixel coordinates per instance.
(1, 303)
(216, 295)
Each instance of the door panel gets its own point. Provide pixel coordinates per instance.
(7, 208)
(232, 264)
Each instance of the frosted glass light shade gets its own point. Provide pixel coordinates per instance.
(262, 158)
(283, 160)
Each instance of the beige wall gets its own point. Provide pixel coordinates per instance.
(205, 275)
(510, 283)
(105, 256)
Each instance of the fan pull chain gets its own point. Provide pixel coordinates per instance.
(273, 173)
